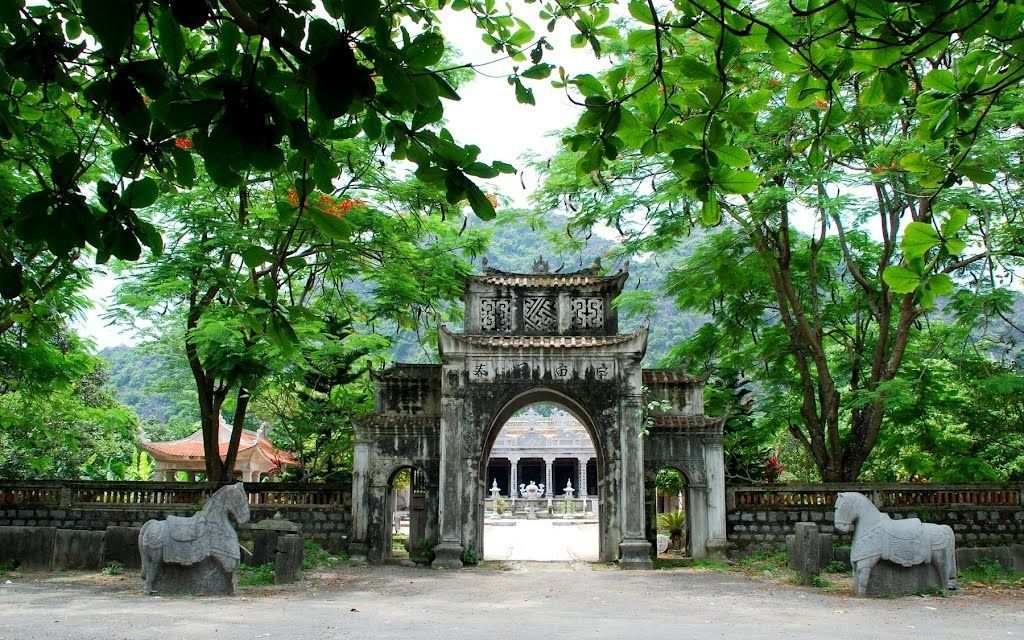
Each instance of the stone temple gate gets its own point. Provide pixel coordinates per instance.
(535, 337)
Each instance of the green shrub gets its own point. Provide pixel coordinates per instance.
(992, 573)
(469, 556)
(249, 576)
(836, 567)
(316, 557)
(673, 522)
(113, 569)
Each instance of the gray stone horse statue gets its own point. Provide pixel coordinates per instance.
(191, 540)
(904, 542)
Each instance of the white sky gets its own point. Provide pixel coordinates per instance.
(487, 116)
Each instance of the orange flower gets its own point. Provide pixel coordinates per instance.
(821, 104)
(183, 143)
(293, 197)
(338, 208)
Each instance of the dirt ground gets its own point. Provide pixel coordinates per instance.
(497, 600)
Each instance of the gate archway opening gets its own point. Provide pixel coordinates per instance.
(606, 528)
(669, 493)
(538, 502)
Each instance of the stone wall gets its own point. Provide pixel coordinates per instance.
(980, 514)
(324, 511)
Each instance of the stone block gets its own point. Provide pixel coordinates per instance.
(288, 559)
(27, 547)
(121, 544)
(804, 554)
(203, 578)
(663, 541)
(891, 580)
(78, 549)
(1009, 556)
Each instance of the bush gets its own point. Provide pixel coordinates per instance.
(836, 567)
(316, 557)
(249, 576)
(672, 522)
(113, 569)
(992, 573)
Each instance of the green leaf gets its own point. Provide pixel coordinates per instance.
(956, 221)
(425, 50)
(150, 236)
(737, 181)
(894, 85)
(185, 167)
(710, 213)
(915, 163)
(639, 10)
(732, 156)
(112, 21)
(977, 174)
(256, 255)
(538, 71)
(934, 287)
(334, 8)
(955, 246)
(479, 202)
(172, 44)
(900, 279)
(941, 80)
(524, 94)
(918, 239)
(141, 193)
(359, 14)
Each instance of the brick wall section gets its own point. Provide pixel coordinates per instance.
(324, 511)
(980, 515)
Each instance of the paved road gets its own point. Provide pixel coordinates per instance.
(540, 540)
(546, 602)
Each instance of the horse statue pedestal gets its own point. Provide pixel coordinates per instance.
(206, 578)
(198, 554)
(895, 557)
(889, 579)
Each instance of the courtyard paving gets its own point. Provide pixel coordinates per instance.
(540, 540)
(510, 600)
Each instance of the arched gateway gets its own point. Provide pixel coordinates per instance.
(537, 337)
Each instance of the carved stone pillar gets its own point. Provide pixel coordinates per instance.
(549, 478)
(635, 549)
(513, 482)
(582, 484)
(714, 468)
(448, 552)
(359, 546)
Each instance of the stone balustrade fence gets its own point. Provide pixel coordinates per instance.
(324, 510)
(980, 514)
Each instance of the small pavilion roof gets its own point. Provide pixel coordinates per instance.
(580, 278)
(191, 447)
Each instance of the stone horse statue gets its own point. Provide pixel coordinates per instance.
(906, 542)
(191, 540)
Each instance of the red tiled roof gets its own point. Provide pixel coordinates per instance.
(686, 422)
(192, 446)
(668, 376)
(544, 342)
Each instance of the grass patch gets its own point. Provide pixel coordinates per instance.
(113, 569)
(991, 573)
(763, 562)
(316, 557)
(261, 575)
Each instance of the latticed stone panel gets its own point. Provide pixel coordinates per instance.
(495, 315)
(587, 313)
(540, 315)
